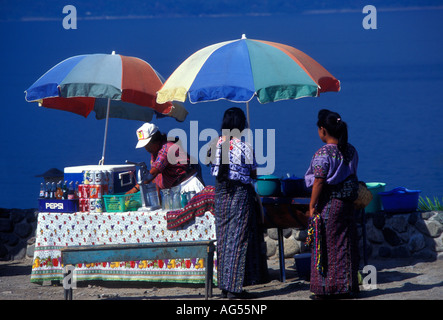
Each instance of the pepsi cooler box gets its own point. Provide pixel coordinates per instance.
(124, 176)
(58, 205)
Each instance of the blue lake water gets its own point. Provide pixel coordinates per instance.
(391, 81)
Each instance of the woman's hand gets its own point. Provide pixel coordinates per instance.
(311, 212)
(134, 190)
(315, 195)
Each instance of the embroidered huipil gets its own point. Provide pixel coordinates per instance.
(241, 160)
(329, 163)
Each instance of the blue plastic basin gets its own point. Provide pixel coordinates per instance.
(400, 199)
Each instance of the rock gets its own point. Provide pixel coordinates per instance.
(300, 235)
(398, 222)
(378, 220)
(287, 232)
(18, 253)
(23, 230)
(439, 244)
(425, 254)
(439, 217)
(291, 247)
(384, 252)
(435, 228)
(30, 250)
(421, 226)
(10, 239)
(271, 247)
(374, 235)
(427, 215)
(416, 242)
(273, 233)
(391, 237)
(5, 225)
(400, 252)
(413, 217)
(17, 216)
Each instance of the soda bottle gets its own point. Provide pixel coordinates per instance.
(65, 190)
(71, 191)
(42, 191)
(47, 190)
(59, 192)
(76, 194)
(52, 191)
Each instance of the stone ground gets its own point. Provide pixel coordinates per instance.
(401, 279)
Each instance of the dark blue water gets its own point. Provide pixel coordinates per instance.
(391, 93)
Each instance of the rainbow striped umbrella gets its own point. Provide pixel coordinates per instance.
(240, 69)
(112, 85)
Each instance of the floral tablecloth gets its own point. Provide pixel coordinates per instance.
(58, 230)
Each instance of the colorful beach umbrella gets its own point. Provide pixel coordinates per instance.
(240, 69)
(112, 85)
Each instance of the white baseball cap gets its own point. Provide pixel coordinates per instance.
(145, 133)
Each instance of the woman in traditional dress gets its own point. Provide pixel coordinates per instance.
(332, 175)
(240, 258)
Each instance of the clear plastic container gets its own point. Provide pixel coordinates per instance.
(166, 199)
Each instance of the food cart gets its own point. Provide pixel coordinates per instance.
(66, 226)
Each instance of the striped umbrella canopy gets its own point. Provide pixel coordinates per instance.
(113, 85)
(240, 69)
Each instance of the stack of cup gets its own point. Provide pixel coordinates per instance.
(92, 189)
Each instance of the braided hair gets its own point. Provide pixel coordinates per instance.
(233, 119)
(336, 127)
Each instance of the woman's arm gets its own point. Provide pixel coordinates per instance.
(254, 174)
(153, 173)
(315, 195)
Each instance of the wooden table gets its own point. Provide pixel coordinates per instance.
(283, 213)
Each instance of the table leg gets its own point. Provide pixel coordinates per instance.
(209, 266)
(281, 255)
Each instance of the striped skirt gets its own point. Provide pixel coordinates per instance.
(240, 258)
(338, 250)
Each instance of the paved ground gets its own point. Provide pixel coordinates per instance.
(396, 280)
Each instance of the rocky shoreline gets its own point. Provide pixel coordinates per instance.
(416, 235)
(17, 233)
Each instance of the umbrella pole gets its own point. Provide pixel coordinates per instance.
(247, 115)
(249, 137)
(102, 161)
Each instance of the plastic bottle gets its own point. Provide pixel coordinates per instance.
(71, 191)
(58, 191)
(165, 199)
(47, 190)
(52, 192)
(176, 200)
(65, 190)
(184, 199)
(42, 191)
(76, 195)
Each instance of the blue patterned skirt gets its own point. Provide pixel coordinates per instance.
(241, 259)
(337, 249)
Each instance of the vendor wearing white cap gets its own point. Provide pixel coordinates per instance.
(168, 171)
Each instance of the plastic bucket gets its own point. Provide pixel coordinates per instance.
(268, 186)
(375, 205)
(400, 200)
(303, 265)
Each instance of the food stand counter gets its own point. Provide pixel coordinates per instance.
(59, 230)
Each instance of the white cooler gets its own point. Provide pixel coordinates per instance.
(124, 175)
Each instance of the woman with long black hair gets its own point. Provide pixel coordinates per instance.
(240, 258)
(332, 175)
